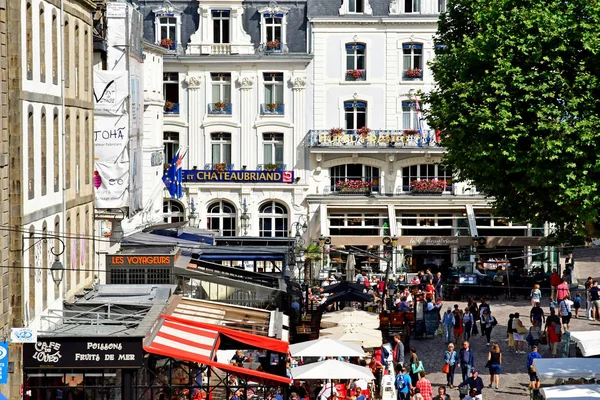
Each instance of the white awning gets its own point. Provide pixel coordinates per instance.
(565, 368)
(571, 392)
(588, 342)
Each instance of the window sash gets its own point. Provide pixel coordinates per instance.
(274, 92)
(220, 26)
(221, 152)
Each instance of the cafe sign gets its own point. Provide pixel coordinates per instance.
(238, 176)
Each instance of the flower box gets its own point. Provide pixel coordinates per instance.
(414, 73)
(355, 74)
(428, 186)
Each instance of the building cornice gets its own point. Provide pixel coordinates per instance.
(421, 20)
(185, 59)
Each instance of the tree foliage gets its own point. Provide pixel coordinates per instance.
(518, 105)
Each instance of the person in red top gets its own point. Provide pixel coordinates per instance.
(425, 387)
(562, 291)
(376, 368)
(554, 281)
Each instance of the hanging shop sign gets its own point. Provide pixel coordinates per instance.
(23, 335)
(137, 260)
(3, 363)
(238, 176)
(77, 352)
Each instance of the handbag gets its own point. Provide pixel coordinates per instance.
(521, 330)
(418, 368)
(446, 369)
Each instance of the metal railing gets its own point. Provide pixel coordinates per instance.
(271, 167)
(220, 108)
(375, 138)
(272, 109)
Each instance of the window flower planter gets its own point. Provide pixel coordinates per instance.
(428, 187)
(355, 75)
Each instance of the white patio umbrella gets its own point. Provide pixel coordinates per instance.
(326, 347)
(350, 265)
(332, 369)
(350, 316)
(356, 334)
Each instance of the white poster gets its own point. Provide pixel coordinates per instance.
(111, 182)
(110, 92)
(111, 134)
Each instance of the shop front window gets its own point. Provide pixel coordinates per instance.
(73, 384)
(273, 220)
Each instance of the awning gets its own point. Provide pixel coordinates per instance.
(588, 342)
(571, 392)
(198, 342)
(565, 368)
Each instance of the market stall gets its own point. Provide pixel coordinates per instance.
(571, 392)
(588, 342)
(566, 368)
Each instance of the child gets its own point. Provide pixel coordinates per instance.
(577, 304)
(509, 333)
(552, 304)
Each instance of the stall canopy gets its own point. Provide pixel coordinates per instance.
(571, 392)
(198, 342)
(326, 347)
(332, 369)
(565, 368)
(588, 342)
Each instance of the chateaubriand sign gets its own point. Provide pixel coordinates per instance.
(238, 176)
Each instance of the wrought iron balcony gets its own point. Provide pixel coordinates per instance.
(220, 108)
(271, 167)
(272, 109)
(219, 166)
(375, 139)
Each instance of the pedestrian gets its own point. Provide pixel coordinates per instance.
(377, 369)
(398, 351)
(562, 290)
(474, 383)
(458, 327)
(442, 395)
(468, 322)
(577, 304)
(566, 276)
(552, 304)
(595, 294)
(537, 314)
(472, 395)
(448, 324)
(588, 298)
(518, 333)
(482, 307)
(488, 322)
(552, 318)
(554, 282)
(416, 365)
(495, 365)
(438, 283)
(535, 295)
(534, 379)
(418, 395)
(570, 263)
(424, 386)
(403, 383)
(509, 332)
(565, 311)
(450, 359)
(466, 360)
(472, 304)
(553, 334)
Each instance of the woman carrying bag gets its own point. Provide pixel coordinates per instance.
(494, 364)
(416, 365)
(450, 361)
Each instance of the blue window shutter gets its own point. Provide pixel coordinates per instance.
(267, 15)
(279, 15)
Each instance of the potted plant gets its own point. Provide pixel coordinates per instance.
(411, 132)
(219, 105)
(272, 106)
(336, 132)
(271, 167)
(273, 45)
(167, 43)
(428, 186)
(413, 73)
(220, 167)
(364, 131)
(355, 73)
(169, 105)
(353, 186)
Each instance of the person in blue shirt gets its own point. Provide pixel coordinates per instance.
(534, 379)
(451, 358)
(466, 360)
(403, 383)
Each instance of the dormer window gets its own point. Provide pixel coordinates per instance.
(412, 6)
(273, 28)
(221, 26)
(167, 26)
(355, 7)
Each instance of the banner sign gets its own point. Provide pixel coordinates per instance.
(139, 260)
(238, 176)
(110, 92)
(23, 335)
(3, 363)
(111, 181)
(111, 134)
(77, 352)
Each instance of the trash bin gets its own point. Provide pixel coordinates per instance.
(388, 390)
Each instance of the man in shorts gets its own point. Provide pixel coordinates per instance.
(595, 293)
(534, 379)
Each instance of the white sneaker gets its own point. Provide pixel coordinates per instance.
(488, 343)
(591, 319)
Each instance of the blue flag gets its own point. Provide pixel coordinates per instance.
(170, 176)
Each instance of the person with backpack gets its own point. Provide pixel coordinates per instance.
(488, 322)
(403, 383)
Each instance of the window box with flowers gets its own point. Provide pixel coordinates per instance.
(413, 74)
(273, 46)
(220, 167)
(168, 44)
(335, 132)
(272, 167)
(171, 108)
(353, 186)
(363, 132)
(429, 187)
(356, 75)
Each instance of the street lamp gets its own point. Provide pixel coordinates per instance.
(57, 269)
(389, 244)
(117, 228)
(245, 218)
(192, 216)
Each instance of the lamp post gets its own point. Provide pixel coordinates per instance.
(117, 228)
(245, 218)
(300, 227)
(389, 244)
(57, 269)
(192, 215)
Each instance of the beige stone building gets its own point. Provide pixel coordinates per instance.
(49, 114)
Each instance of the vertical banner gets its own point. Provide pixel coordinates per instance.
(3, 363)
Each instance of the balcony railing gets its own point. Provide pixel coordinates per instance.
(220, 108)
(271, 167)
(171, 108)
(375, 139)
(367, 191)
(272, 109)
(228, 167)
(220, 49)
(272, 48)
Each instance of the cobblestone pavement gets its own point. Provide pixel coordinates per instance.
(513, 379)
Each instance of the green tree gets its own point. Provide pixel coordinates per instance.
(313, 253)
(518, 105)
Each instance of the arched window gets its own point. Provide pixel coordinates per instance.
(30, 155)
(54, 48)
(273, 220)
(67, 53)
(77, 50)
(221, 217)
(56, 248)
(412, 61)
(67, 150)
(55, 151)
(42, 32)
(32, 267)
(352, 172)
(86, 62)
(426, 171)
(355, 113)
(355, 62)
(45, 270)
(29, 36)
(88, 165)
(44, 151)
(173, 211)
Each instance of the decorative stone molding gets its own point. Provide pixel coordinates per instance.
(395, 7)
(245, 82)
(193, 81)
(298, 82)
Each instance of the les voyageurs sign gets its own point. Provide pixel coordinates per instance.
(238, 176)
(76, 352)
